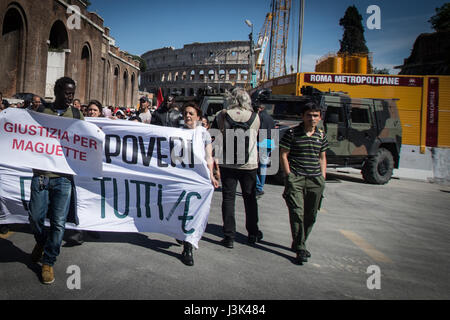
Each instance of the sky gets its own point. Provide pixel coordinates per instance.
(139, 26)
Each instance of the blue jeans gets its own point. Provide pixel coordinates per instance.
(264, 160)
(49, 198)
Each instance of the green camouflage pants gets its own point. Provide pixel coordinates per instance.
(303, 196)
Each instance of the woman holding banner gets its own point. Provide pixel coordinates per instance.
(192, 116)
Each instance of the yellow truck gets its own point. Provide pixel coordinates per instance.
(423, 101)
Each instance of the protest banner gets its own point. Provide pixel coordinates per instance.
(35, 140)
(155, 179)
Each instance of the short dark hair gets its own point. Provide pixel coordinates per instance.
(311, 106)
(96, 103)
(62, 82)
(195, 106)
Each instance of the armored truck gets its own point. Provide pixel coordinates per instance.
(362, 133)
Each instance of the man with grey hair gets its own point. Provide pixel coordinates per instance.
(239, 126)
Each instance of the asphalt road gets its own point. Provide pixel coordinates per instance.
(369, 242)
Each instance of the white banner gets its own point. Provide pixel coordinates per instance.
(35, 140)
(155, 179)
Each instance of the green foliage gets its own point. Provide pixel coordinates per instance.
(380, 71)
(142, 62)
(441, 20)
(353, 40)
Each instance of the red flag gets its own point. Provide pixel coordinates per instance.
(159, 99)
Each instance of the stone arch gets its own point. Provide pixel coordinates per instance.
(116, 78)
(244, 75)
(211, 74)
(108, 83)
(125, 88)
(192, 75)
(222, 74)
(133, 86)
(13, 43)
(184, 76)
(201, 75)
(56, 58)
(84, 83)
(233, 75)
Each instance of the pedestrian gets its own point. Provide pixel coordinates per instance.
(53, 194)
(36, 103)
(192, 118)
(77, 104)
(239, 113)
(144, 111)
(168, 114)
(95, 109)
(120, 115)
(303, 160)
(3, 103)
(265, 145)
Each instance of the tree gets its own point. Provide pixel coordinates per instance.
(353, 40)
(142, 62)
(441, 20)
(380, 71)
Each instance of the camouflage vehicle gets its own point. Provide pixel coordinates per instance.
(362, 133)
(209, 102)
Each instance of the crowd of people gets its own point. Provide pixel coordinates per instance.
(302, 158)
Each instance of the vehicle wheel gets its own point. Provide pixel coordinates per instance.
(379, 168)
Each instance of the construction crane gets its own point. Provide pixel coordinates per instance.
(261, 46)
(281, 13)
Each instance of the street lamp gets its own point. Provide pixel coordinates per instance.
(252, 56)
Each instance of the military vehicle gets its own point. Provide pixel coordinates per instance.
(362, 133)
(210, 103)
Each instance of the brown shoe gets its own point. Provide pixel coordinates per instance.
(37, 253)
(47, 274)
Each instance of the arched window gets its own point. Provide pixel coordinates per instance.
(244, 75)
(211, 75)
(83, 85)
(133, 85)
(116, 85)
(125, 88)
(13, 44)
(233, 75)
(192, 75)
(56, 58)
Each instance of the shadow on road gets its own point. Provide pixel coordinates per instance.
(240, 238)
(11, 253)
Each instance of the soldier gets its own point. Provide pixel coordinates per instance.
(303, 159)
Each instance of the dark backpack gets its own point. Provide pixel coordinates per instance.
(233, 130)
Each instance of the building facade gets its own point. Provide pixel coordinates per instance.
(44, 40)
(197, 66)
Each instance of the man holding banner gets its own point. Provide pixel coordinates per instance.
(51, 192)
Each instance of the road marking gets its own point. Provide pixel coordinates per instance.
(322, 210)
(365, 246)
(4, 236)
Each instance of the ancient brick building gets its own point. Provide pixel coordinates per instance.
(219, 65)
(46, 39)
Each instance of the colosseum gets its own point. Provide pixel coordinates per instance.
(197, 66)
(46, 39)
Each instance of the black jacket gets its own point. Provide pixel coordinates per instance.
(166, 118)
